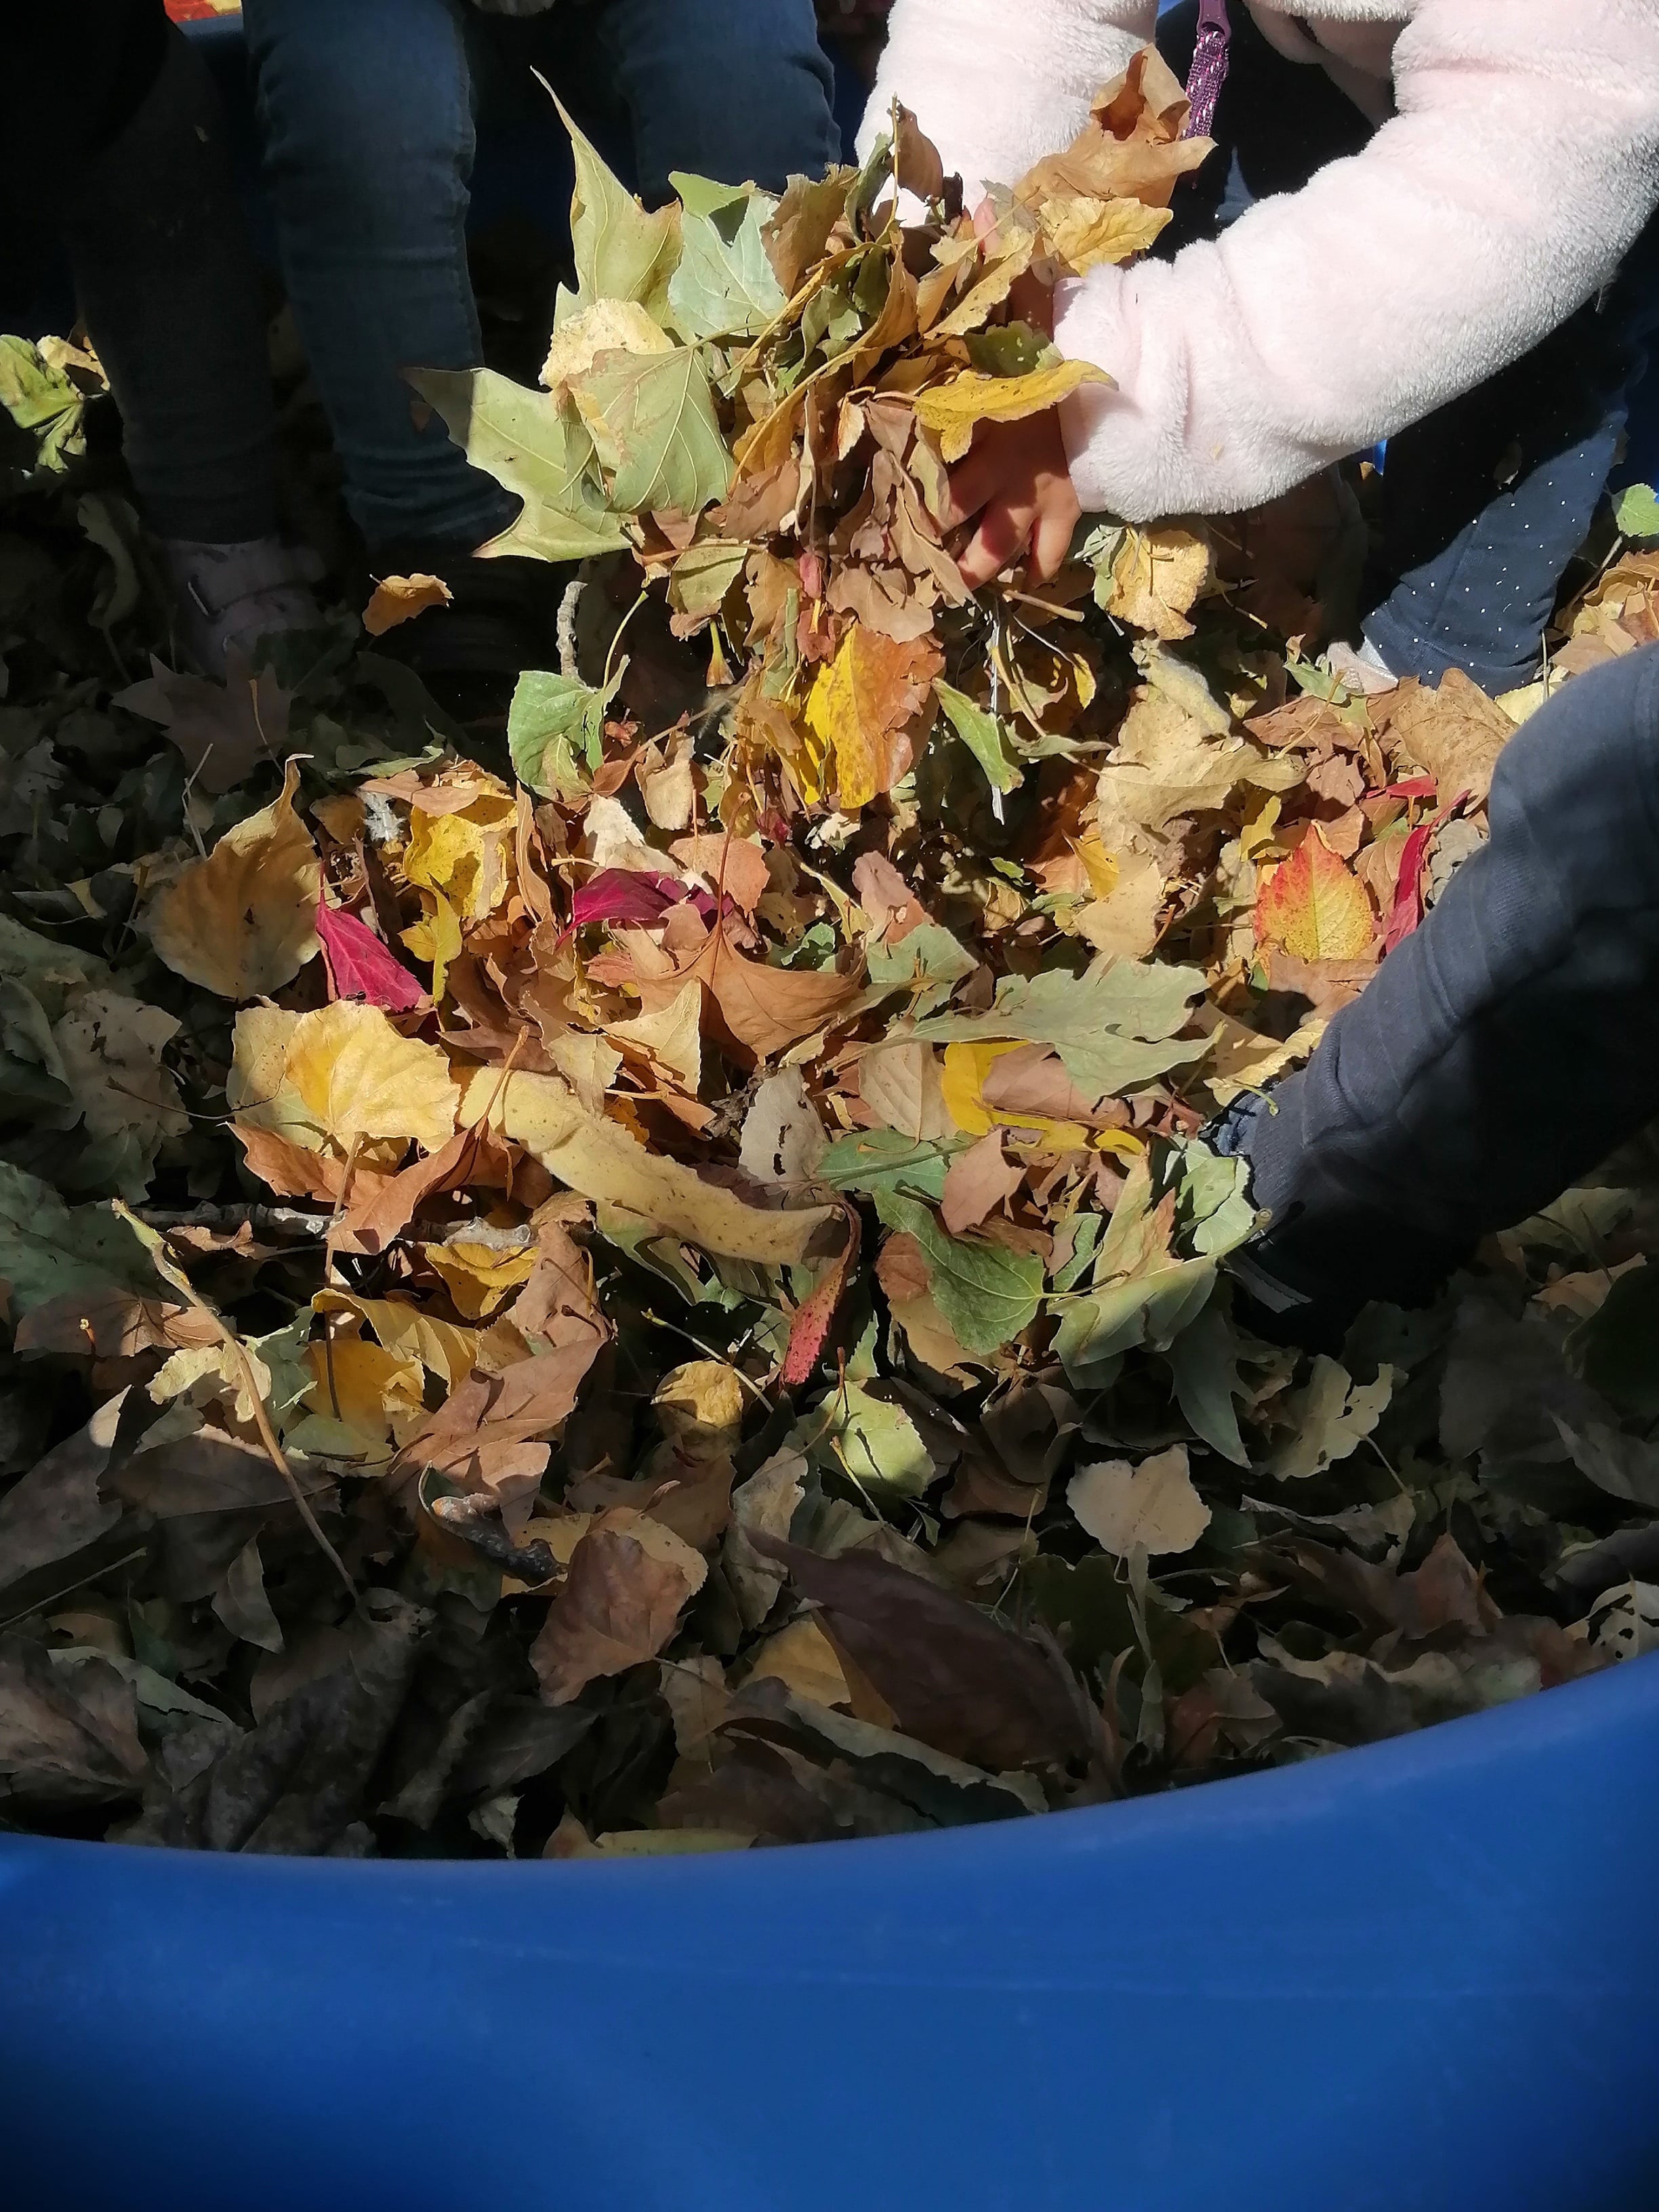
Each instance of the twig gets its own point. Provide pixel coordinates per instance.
(170, 1272)
(275, 1220)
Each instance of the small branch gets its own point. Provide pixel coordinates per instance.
(270, 1220)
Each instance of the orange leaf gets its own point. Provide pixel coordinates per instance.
(400, 599)
(860, 703)
(1314, 909)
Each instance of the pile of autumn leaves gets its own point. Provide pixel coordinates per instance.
(817, 1035)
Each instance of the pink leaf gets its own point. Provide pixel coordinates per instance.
(635, 897)
(360, 967)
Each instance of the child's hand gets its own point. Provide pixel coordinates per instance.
(1018, 481)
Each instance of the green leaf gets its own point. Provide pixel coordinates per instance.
(42, 399)
(1205, 1361)
(878, 1442)
(48, 1249)
(701, 577)
(984, 736)
(1112, 1030)
(1637, 511)
(1149, 1310)
(875, 1160)
(987, 1293)
(653, 422)
(929, 964)
(724, 286)
(1214, 1206)
(622, 250)
(552, 717)
(534, 446)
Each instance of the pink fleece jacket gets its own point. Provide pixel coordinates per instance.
(1516, 161)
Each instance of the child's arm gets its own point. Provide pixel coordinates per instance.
(1522, 166)
(996, 84)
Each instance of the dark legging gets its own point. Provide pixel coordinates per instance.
(107, 101)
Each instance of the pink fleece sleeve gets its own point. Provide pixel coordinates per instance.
(1522, 165)
(996, 84)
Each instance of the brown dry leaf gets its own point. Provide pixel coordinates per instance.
(1164, 765)
(490, 1434)
(111, 1047)
(860, 707)
(630, 1580)
(977, 1182)
(1456, 732)
(57, 1508)
(802, 1657)
(243, 922)
(361, 1081)
(953, 1676)
(1152, 1507)
(762, 1008)
(1131, 147)
(398, 599)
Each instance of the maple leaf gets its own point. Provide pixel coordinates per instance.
(1314, 909)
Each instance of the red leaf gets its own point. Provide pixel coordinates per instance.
(636, 897)
(360, 967)
(1407, 910)
(813, 1319)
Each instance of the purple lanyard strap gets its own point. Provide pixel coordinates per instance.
(1209, 70)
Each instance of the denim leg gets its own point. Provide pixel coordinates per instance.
(1508, 1045)
(738, 90)
(367, 114)
(167, 281)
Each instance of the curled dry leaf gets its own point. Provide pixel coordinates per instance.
(630, 1580)
(398, 599)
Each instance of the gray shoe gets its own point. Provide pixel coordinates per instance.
(242, 595)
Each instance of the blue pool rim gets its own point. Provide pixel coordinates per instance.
(1415, 1978)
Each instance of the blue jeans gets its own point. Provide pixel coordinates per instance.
(1505, 1048)
(368, 111)
(1487, 501)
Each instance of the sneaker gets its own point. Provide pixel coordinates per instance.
(242, 595)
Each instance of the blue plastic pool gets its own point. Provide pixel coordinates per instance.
(1418, 1978)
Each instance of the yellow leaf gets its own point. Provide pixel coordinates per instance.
(699, 1408)
(1085, 233)
(608, 326)
(1157, 577)
(258, 1090)
(365, 1388)
(597, 1157)
(436, 936)
(671, 1038)
(954, 410)
(477, 1276)
(445, 1350)
(361, 1080)
(802, 1658)
(399, 598)
(1243, 1059)
(467, 854)
(966, 1066)
(860, 702)
(243, 922)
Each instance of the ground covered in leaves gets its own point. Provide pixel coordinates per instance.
(648, 1277)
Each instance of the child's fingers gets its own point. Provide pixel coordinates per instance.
(977, 480)
(1004, 532)
(1057, 523)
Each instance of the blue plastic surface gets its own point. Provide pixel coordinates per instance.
(1418, 1978)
